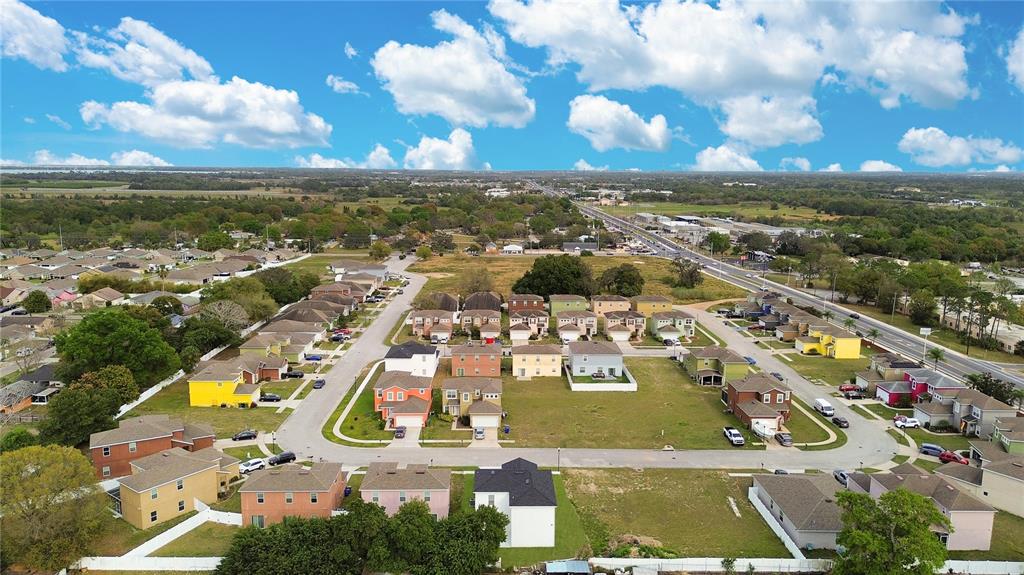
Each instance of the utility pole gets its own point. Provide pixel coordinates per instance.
(60, 232)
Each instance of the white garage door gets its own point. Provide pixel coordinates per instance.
(408, 421)
(485, 421)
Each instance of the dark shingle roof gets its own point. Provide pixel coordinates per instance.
(408, 349)
(526, 485)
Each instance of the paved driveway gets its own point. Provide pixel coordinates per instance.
(868, 445)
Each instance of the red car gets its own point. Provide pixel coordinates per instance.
(343, 330)
(849, 387)
(952, 456)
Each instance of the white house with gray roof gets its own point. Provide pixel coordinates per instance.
(526, 495)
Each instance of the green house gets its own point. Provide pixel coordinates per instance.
(714, 365)
(1009, 433)
(564, 302)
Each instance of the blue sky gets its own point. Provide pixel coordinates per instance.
(511, 85)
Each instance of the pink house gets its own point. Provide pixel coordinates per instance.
(63, 298)
(388, 486)
(915, 382)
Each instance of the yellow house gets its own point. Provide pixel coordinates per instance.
(529, 361)
(167, 484)
(829, 341)
(651, 304)
(221, 383)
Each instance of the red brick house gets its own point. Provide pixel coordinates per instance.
(112, 451)
(255, 369)
(524, 302)
(483, 360)
(270, 495)
(758, 398)
(402, 399)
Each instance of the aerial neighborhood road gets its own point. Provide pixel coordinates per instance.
(867, 445)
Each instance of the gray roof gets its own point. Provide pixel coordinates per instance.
(538, 349)
(611, 297)
(965, 473)
(484, 408)
(566, 297)
(923, 483)
(624, 314)
(756, 410)
(160, 468)
(408, 349)
(671, 314)
(808, 501)
(594, 348)
(471, 349)
(484, 384)
(401, 379)
(148, 427)
(720, 353)
(526, 485)
(758, 382)
(19, 390)
(483, 300)
(319, 478)
(1011, 468)
(387, 476)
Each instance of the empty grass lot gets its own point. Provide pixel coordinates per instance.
(745, 209)
(362, 422)
(832, 371)
(226, 421)
(667, 409)
(317, 264)
(121, 537)
(207, 540)
(700, 522)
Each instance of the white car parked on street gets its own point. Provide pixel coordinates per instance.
(252, 465)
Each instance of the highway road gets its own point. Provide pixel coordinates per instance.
(909, 345)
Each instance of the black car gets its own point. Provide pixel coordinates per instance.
(244, 435)
(840, 421)
(778, 376)
(400, 432)
(319, 384)
(294, 373)
(281, 458)
(270, 397)
(854, 316)
(853, 395)
(20, 311)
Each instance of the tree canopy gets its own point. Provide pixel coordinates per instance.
(557, 274)
(624, 280)
(36, 302)
(116, 377)
(248, 292)
(77, 412)
(686, 273)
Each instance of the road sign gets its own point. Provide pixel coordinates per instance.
(926, 331)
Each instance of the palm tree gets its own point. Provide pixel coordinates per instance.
(874, 334)
(827, 314)
(936, 354)
(849, 322)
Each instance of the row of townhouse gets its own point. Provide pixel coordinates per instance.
(810, 334)
(998, 476)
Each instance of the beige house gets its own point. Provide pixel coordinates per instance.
(602, 304)
(478, 398)
(102, 297)
(633, 321)
(536, 320)
(529, 361)
(586, 321)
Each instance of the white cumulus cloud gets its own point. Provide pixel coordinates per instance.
(350, 52)
(771, 121)
(27, 34)
(464, 80)
(582, 165)
(379, 158)
(725, 158)
(935, 148)
(137, 52)
(341, 85)
(608, 124)
(29, 120)
(802, 164)
(455, 153)
(46, 158)
(137, 158)
(58, 120)
(879, 166)
(835, 167)
(1015, 60)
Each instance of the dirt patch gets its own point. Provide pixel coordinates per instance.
(633, 540)
(438, 275)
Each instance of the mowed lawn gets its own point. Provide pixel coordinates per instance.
(832, 371)
(226, 421)
(447, 273)
(688, 511)
(745, 209)
(207, 540)
(667, 409)
(317, 264)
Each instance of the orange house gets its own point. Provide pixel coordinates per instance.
(402, 399)
(113, 451)
(476, 360)
(270, 495)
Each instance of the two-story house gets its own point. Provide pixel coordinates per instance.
(596, 359)
(525, 302)
(403, 400)
(221, 383)
(167, 484)
(536, 320)
(566, 302)
(529, 361)
(112, 451)
(885, 368)
(431, 321)
(918, 382)
(829, 341)
(483, 300)
(651, 304)
(999, 478)
(480, 319)
(758, 400)
(414, 358)
(714, 365)
(270, 495)
(443, 301)
(478, 398)
(584, 321)
(526, 495)
(391, 486)
(967, 410)
(671, 325)
(634, 323)
(476, 359)
(602, 304)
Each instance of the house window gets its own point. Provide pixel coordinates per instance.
(465, 396)
(106, 471)
(289, 497)
(132, 447)
(181, 505)
(181, 484)
(583, 369)
(779, 398)
(391, 396)
(380, 393)
(422, 391)
(401, 396)
(152, 493)
(152, 516)
(490, 500)
(313, 498)
(451, 394)
(259, 498)
(426, 496)
(767, 398)
(106, 452)
(375, 497)
(401, 497)
(257, 521)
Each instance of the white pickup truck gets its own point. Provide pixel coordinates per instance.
(734, 436)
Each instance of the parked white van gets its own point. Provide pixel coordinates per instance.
(823, 407)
